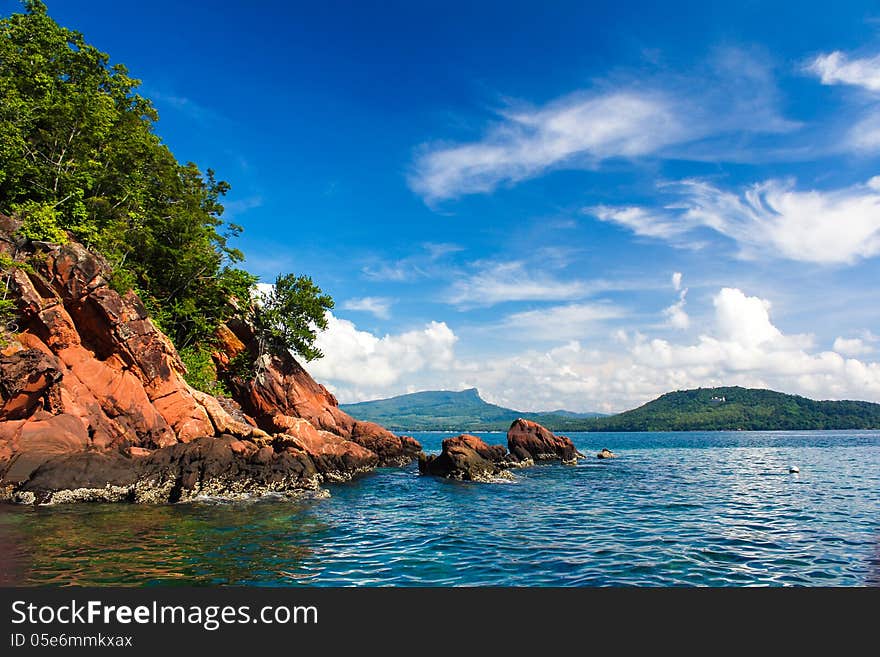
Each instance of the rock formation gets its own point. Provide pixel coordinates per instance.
(606, 454)
(467, 458)
(93, 404)
(529, 440)
(283, 393)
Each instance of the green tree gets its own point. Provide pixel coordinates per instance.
(78, 156)
(288, 317)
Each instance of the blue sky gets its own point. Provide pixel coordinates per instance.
(578, 205)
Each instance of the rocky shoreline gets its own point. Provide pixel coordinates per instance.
(94, 406)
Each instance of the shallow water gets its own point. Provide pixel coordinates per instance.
(687, 509)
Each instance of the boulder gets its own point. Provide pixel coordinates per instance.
(529, 440)
(467, 458)
(606, 454)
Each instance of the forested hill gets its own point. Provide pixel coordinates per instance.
(703, 409)
(456, 411)
(711, 409)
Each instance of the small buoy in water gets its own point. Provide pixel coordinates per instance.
(794, 470)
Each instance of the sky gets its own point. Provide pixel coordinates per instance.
(564, 204)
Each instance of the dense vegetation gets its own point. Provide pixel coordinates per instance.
(79, 159)
(688, 410)
(455, 411)
(742, 409)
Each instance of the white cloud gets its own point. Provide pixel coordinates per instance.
(676, 280)
(557, 323)
(512, 281)
(852, 346)
(378, 306)
(864, 135)
(740, 345)
(734, 94)
(641, 221)
(743, 320)
(524, 144)
(770, 219)
(359, 359)
(676, 316)
(837, 68)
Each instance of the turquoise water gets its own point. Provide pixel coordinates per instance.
(688, 509)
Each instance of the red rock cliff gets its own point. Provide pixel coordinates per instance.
(84, 370)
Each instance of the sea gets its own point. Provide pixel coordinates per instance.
(674, 509)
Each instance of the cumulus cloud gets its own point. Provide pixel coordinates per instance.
(852, 346)
(378, 306)
(838, 68)
(740, 345)
(769, 219)
(496, 282)
(359, 360)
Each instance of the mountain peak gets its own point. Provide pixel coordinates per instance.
(471, 393)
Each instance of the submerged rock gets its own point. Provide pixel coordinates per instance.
(467, 458)
(529, 440)
(606, 454)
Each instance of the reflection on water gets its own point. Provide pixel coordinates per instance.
(202, 543)
(673, 509)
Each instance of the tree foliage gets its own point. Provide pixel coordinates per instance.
(79, 157)
(744, 409)
(289, 316)
(78, 154)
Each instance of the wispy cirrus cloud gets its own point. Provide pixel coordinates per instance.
(573, 321)
(769, 219)
(525, 143)
(421, 264)
(627, 118)
(837, 68)
(184, 105)
(377, 306)
(498, 282)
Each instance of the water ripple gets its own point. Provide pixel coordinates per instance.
(674, 509)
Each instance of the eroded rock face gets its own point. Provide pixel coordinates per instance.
(205, 467)
(529, 440)
(467, 458)
(284, 392)
(93, 400)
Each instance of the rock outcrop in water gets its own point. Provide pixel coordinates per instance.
(468, 458)
(529, 440)
(606, 454)
(93, 404)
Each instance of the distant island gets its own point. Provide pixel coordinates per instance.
(438, 410)
(702, 409)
